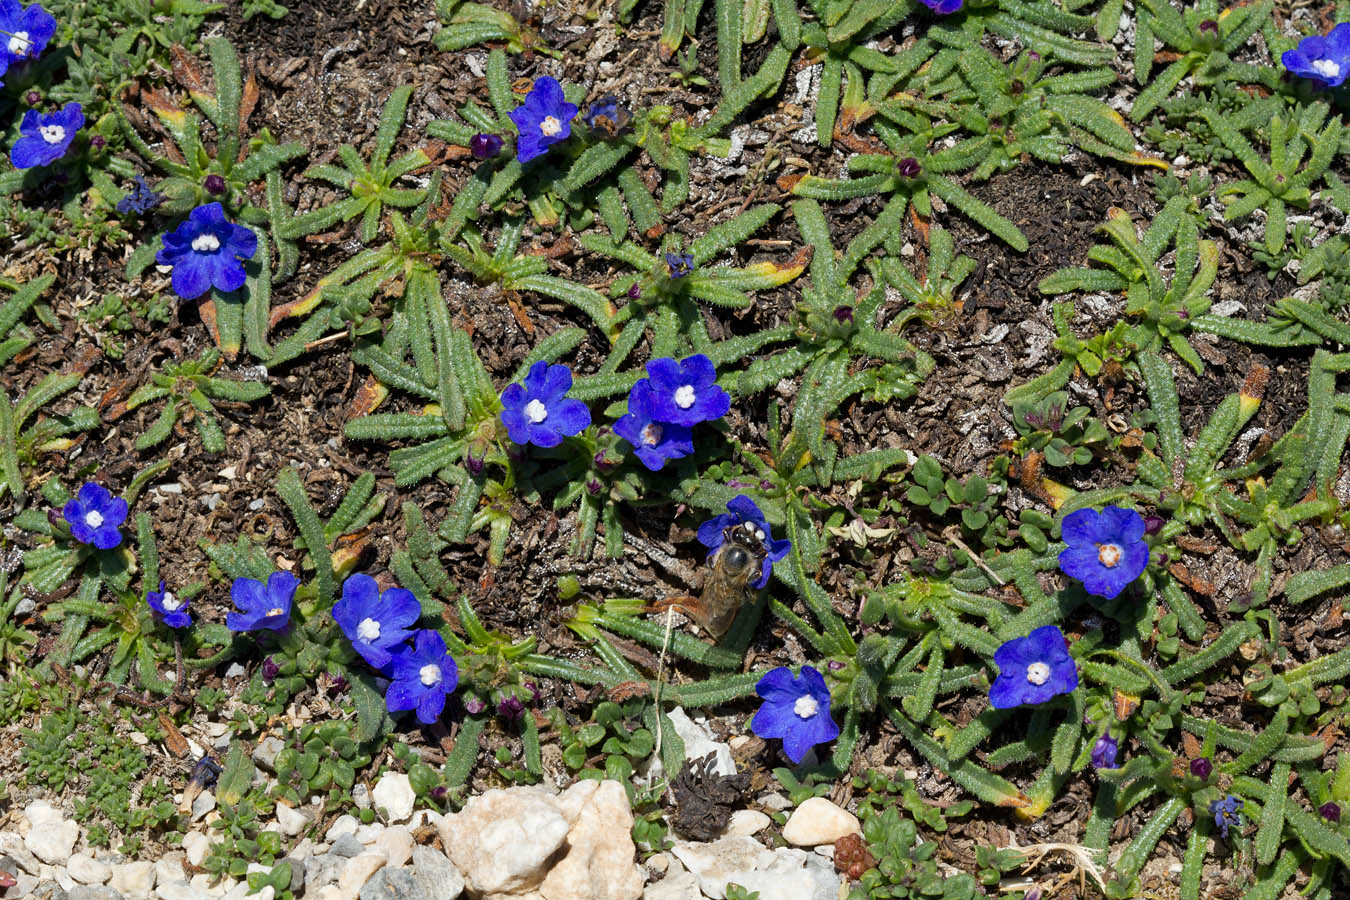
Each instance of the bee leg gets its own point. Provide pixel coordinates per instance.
(681, 603)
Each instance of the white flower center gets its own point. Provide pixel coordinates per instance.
(277, 611)
(685, 396)
(651, 435)
(1038, 673)
(368, 630)
(430, 674)
(19, 43)
(536, 412)
(206, 243)
(806, 706)
(52, 134)
(93, 518)
(1325, 67)
(1108, 555)
(170, 602)
(550, 126)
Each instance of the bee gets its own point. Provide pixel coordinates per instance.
(734, 564)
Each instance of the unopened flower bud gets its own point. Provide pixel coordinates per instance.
(98, 142)
(1210, 25)
(485, 146)
(1331, 811)
(594, 487)
(909, 167)
(473, 706)
(510, 708)
(33, 98)
(1153, 524)
(1201, 767)
(634, 291)
(474, 464)
(843, 315)
(270, 670)
(214, 184)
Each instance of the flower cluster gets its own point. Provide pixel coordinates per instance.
(664, 407)
(207, 251)
(540, 412)
(1106, 550)
(544, 119)
(743, 510)
(1325, 60)
(378, 625)
(795, 709)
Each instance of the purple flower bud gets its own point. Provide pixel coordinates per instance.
(533, 688)
(1210, 25)
(843, 315)
(1201, 767)
(55, 519)
(1331, 811)
(634, 291)
(98, 142)
(485, 146)
(270, 670)
(1104, 752)
(510, 708)
(33, 98)
(603, 462)
(473, 706)
(834, 665)
(337, 684)
(439, 792)
(474, 464)
(214, 184)
(909, 167)
(1153, 524)
(594, 487)
(1033, 55)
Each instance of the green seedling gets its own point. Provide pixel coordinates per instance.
(192, 390)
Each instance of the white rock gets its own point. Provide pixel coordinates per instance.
(369, 834)
(747, 822)
(291, 821)
(51, 837)
(169, 867)
(303, 850)
(599, 862)
(393, 793)
(267, 893)
(698, 742)
(344, 824)
(396, 843)
(61, 877)
(818, 821)
(717, 863)
(196, 845)
(676, 886)
(357, 873)
(87, 870)
(235, 671)
(179, 890)
(793, 875)
(361, 796)
(503, 840)
(134, 880)
(202, 804)
(12, 845)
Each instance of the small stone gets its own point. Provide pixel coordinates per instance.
(439, 877)
(133, 880)
(291, 821)
(87, 870)
(394, 795)
(324, 870)
(265, 754)
(140, 740)
(179, 890)
(368, 834)
(361, 796)
(25, 885)
(303, 850)
(678, 886)
(347, 846)
(357, 873)
(396, 844)
(599, 862)
(503, 840)
(196, 845)
(775, 802)
(818, 821)
(169, 867)
(394, 884)
(51, 837)
(747, 821)
(344, 824)
(12, 846)
(297, 874)
(202, 804)
(659, 862)
(92, 892)
(235, 671)
(267, 893)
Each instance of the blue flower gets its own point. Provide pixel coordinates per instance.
(424, 674)
(94, 515)
(686, 393)
(1106, 550)
(679, 264)
(171, 610)
(207, 251)
(46, 137)
(653, 441)
(1325, 60)
(943, 7)
(795, 709)
(262, 606)
(540, 413)
(1104, 752)
(1226, 813)
(375, 622)
(24, 32)
(712, 533)
(142, 198)
(1032, 669)
(544, 119)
